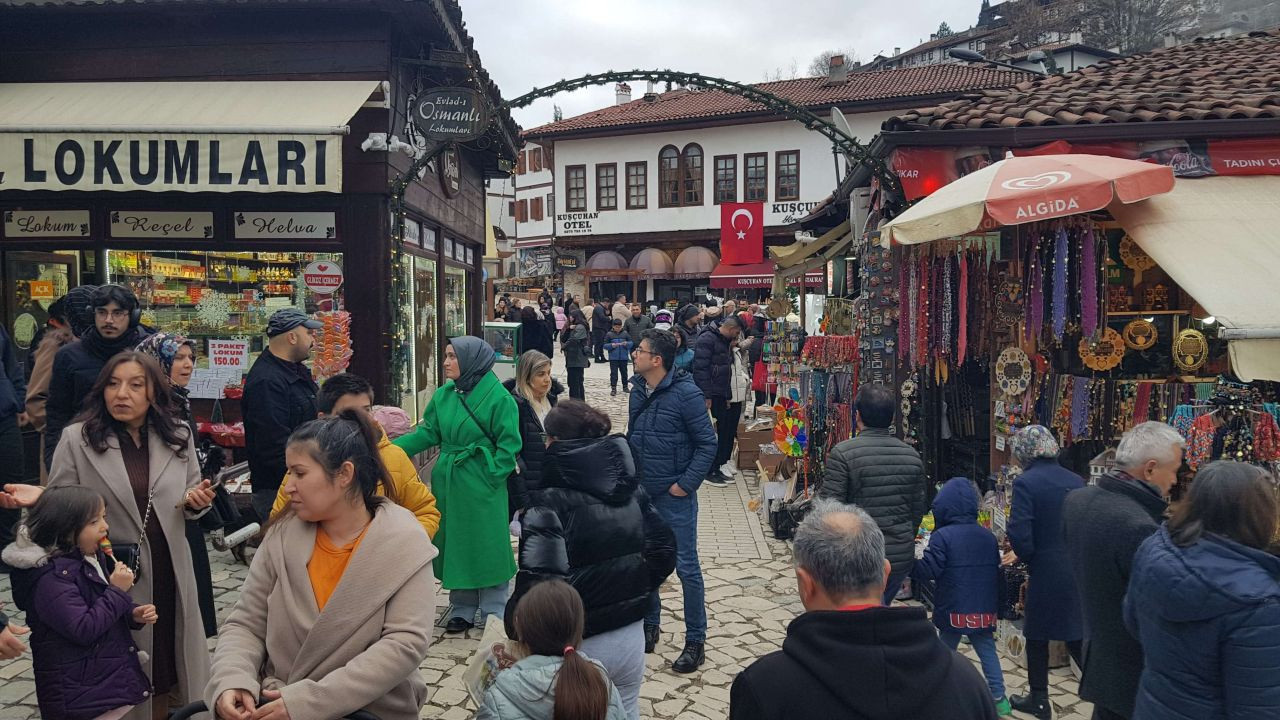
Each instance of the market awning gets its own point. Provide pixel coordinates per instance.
(253, 136)
(759, 275)
(799, 251)
(694, 262)
(1219, 239)
(653, 262)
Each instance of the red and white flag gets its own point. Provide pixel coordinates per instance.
(741, 233)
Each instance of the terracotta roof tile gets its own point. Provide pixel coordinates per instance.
(815, 93)
(1225, 78)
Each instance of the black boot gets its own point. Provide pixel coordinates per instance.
(458, 625)
(691, 659)
(1035, 703)
(650, 638)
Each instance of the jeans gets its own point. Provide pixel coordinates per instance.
(891, 589)
(681, 513)
(12, 463)
(618, 374)
(262, 500)
(489, 601)
(984, 644)
(576, 389)
(1038, 662)
(727, 415)
(621, 652)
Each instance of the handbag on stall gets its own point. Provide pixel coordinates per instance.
(760, 377)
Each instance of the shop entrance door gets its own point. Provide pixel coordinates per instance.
(32, 281)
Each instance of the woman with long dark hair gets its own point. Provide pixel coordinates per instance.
(1204, 600)
(336, 613)
(593, 525)
(534, 334)
(474, 422)
(129, 447)
(556, 681)
(575, 342)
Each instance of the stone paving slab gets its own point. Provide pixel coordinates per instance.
(750, 592)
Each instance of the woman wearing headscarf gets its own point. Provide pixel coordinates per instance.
(177, 357)
(534, 334)
(1035, 532)
(474, 421)
(575, 342)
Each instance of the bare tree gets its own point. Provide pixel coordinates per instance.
(1029, 23)
(791, 72)
(821, 64)
(1132, 26)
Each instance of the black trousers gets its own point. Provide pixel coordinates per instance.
(1038, 662)
(576, 389)
(597, 346)
(12, 462)
(618, 374)
(727, 415)
(1101, 713)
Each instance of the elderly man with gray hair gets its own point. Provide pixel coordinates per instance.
(1103, 526)
(848, 656)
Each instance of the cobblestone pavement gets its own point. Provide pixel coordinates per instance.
(750, 592)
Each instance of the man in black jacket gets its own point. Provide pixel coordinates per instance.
(1103, 526)
(637, 324)
(13, 414)
(713, 372)
(116, 329)
(848, 656)
(601, 322)
(279, 395)
(882, 475)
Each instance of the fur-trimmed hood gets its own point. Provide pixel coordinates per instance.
(23, 554)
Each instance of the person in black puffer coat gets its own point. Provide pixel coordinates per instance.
(593, 526)
(534, 335)
(882, 475)
(535, 393)
(76, 366)
(687, 324)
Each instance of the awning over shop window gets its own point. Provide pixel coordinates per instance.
(695, 262)
(1219, 239)
(653, 262)
(759, 275)
(799, 251)
(177, 136)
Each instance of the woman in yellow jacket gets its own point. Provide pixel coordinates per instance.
(347, 390)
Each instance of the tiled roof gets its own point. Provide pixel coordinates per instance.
(860, 87)
(1208, 79)
(976, 33)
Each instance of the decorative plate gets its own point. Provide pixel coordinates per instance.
(1104, 354)
(1013, 371)
(1140, 334)
(1190, 350)
(1134, 257)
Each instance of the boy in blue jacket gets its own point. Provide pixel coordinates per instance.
(963, 559)
(618, 345)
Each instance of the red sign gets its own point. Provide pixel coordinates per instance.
(323, 277)
(1245, 157)
(741, 233)
(923, 170)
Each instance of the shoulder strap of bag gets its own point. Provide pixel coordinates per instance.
(462, 399)
(653, 394)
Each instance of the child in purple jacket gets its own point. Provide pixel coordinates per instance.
(76, 597)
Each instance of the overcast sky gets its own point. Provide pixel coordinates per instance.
(532, 43)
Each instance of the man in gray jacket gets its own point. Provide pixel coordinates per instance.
(882, 475)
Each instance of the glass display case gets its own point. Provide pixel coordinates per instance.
(504, 338)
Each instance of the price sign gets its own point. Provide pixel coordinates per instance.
(229, 354)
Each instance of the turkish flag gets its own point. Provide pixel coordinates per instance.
(741, 233)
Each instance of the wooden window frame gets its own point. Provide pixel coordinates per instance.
(551, 205)
(702, 176)
(715, 179)
(535, 159)
(777, 175)
(568, 188)
(644, 185)
(522, 211)
(600, 207)
(520, 166)
(511, 208)
(662, 179)
(535, 209)
(746, 177)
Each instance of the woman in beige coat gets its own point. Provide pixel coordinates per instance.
(127, 446)
(337, 611)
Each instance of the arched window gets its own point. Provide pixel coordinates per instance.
(669, 177)
(691, 162)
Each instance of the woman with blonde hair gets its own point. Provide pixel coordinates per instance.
(535, 393)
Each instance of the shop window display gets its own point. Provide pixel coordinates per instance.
(424, 334)
(455, 302)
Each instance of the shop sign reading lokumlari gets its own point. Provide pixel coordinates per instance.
(166, 163)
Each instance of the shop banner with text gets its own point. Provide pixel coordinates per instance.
(170, 162)
(741, 233)
(923, 170)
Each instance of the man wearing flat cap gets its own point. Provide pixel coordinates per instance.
(279, 395)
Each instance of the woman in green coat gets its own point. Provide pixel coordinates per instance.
(475, 423)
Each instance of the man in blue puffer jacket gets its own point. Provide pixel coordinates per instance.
(963, 559)
(673, 445)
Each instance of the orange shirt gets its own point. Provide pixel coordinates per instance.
(328, 562)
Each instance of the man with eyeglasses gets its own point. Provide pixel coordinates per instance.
(116, 328)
